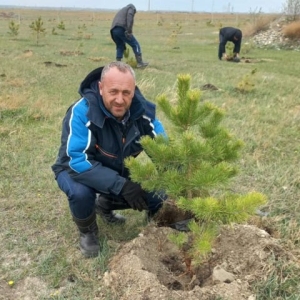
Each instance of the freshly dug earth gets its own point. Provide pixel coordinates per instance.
(151, 267)
(246, 60)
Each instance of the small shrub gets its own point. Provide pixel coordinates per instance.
(126, 53)
(178, 29)
(129, 60)
(292, 30)
(81, 31)
(161, 21)
(37, 27)
(61, 26)
(229, 49)
(209, 23)
(132, 62)
(54, 31)
(13, 28)
(247, 84)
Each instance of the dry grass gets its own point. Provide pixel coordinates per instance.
(258, 24)
(12, 101)
(38, 239)
(292, 30)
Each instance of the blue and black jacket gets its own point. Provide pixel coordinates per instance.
(94, 143)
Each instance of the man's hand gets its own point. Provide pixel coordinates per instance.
(236, 57)
(128, 35)
(134, 195)
(225, 57)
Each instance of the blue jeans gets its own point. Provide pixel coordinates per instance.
(82, 198)
(118, 36)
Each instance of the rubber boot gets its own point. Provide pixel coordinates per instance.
(88, 233)
(140, 63)
(105, 206)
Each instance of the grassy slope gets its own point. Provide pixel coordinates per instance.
(38, 238)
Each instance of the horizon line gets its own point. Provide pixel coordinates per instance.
(116, 9)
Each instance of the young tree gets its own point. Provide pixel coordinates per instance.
(194, 165)
(37, 27)
(61, 26)
(292, 9)
(13, 28)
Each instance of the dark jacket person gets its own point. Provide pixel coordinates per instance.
(122, 33)
(99, 131)
(229, 34)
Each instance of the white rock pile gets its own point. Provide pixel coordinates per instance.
(274, 37)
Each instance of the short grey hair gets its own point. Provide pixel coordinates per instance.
(122, 67)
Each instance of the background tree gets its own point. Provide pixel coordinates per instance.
(194, 166)
(292, 9)
(61, 25)
(13, 28)
(38, 29)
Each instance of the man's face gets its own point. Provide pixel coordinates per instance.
(117, 90)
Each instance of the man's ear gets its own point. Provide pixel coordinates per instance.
(100, 87)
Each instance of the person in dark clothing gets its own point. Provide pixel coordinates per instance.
(99, 131)
(230, 34)
(121, 34)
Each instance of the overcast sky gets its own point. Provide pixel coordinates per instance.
(267, 6)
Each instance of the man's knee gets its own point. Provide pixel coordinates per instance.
(82, 194)
(82, 203)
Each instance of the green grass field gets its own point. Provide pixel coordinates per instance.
(38, 82)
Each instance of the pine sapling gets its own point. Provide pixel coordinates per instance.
(193, 166)
(247, 83)
(61, 26)
(37, 27)
(13, 28)
(129, 59)
(229, 50)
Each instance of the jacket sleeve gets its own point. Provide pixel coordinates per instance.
(154, 124)
(84, 168)
(158, 128)
(130, 19)
(153, 127)
(237, 46)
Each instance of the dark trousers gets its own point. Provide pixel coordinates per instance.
(120, 39)
(222, 46)
(82, 198)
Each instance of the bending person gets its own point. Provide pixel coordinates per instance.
(230, 34)
(122, 34)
